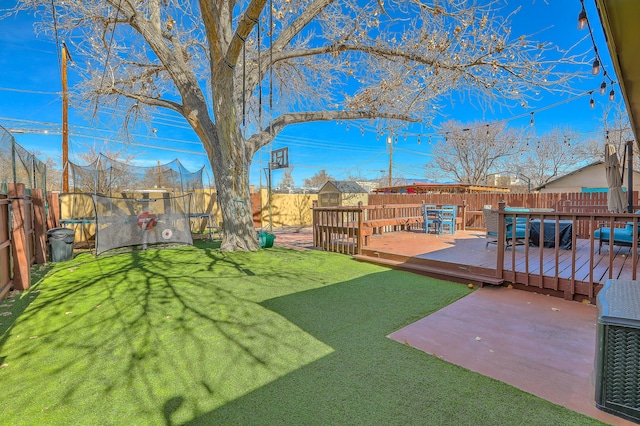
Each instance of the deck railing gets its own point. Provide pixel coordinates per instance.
(578, 270)
(338, 229)
(346, 229)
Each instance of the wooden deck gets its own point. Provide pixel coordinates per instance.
(465, 257)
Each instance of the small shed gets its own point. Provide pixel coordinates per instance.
(341, 193)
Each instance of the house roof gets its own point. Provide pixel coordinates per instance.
(347, 186)
(569, 174)
(635, 172)
(619, 20)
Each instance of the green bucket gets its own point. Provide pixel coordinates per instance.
(265, 239)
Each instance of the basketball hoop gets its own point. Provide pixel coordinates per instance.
(279, 159)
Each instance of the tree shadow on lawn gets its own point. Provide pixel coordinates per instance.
(198, 336)
(370, 379)
(158, 336)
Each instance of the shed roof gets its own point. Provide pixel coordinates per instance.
(346, 186)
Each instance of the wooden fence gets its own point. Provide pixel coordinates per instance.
(568, 202)
(5, 248)
(23, 227)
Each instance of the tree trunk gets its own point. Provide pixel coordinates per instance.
(234, 200)
(230, 159)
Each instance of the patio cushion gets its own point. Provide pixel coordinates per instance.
(519, 220)
(521, 232)
(619, 235)
(629, 228)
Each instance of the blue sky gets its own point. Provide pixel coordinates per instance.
(30, 100)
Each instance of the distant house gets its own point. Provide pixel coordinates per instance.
(341, 193)
(590, 178)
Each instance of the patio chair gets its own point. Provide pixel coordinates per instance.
(448, 218)
(621, 236)
(491, 222)
(426, 207)
(432, 221)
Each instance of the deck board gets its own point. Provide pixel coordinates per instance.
(469, 248)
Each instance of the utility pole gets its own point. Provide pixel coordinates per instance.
(65, 120)
(390, 142)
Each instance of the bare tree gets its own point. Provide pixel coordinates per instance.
(616, 130)
(287, 181)
(87, 175)
(383, 181)
(54, 175)
(240, 71)
(469, 153)
(319, 179)
(547, 157)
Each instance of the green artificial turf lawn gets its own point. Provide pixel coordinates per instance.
(193, 335)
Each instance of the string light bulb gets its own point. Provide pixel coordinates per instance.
(603, 87)
(592, 103)
(612, 95)
(595, 69)
(532, 120)
(582, 19)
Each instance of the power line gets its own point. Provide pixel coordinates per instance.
(36, 92)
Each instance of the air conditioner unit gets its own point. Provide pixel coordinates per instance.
(618, 349)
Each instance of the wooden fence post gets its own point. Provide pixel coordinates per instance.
(20, 245)
(5, 248)
(53, 216)
(40, 225)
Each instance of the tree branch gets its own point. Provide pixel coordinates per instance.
(309, 13)
(262, 138)
(245, 26)
(157, 102)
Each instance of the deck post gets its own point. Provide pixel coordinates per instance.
(501, 240)
(464, 215)
(360, 237)
(314, 222)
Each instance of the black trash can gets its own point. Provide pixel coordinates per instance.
(61, 244)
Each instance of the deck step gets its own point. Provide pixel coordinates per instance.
(448, 274)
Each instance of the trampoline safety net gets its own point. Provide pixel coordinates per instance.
(122, 222)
